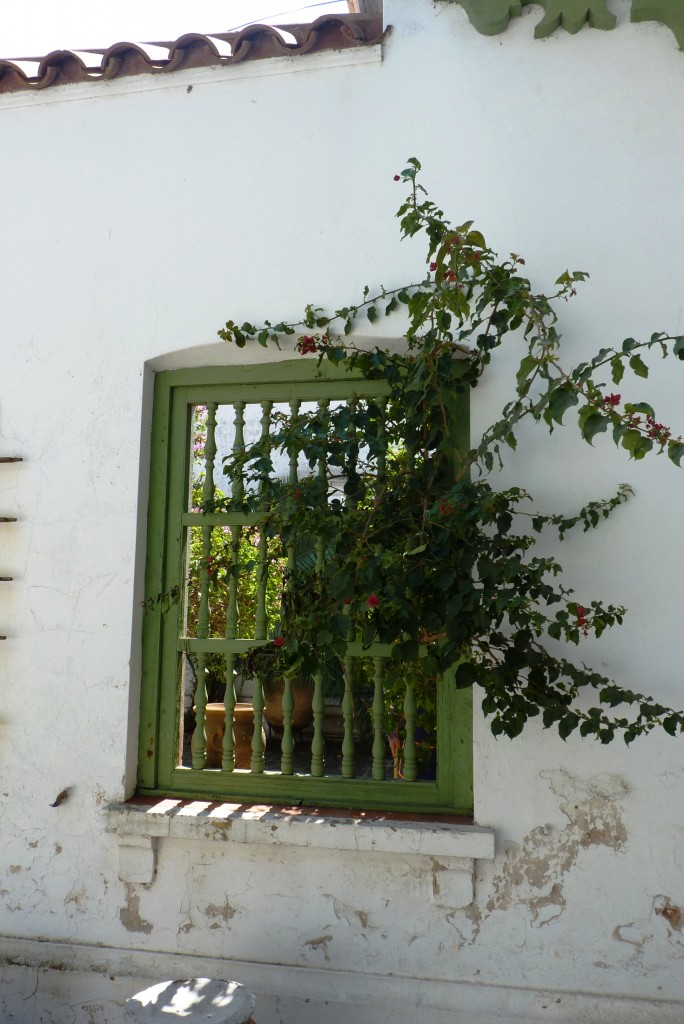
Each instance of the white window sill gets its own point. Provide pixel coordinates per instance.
(451, 848)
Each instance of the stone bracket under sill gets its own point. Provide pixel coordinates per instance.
(447, 851)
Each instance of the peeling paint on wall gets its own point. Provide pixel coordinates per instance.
(320, 943)
(534, 871)
(129, 915)
(224, 913)
(674, 915)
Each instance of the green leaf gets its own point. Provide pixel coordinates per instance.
(418, 550)
(372, 314)
(568, 724)
(526, 366)
(560, 400)
(592, 423)
(642, 407)
(477, 238)
(678, 347)
(617, 368)
(639, 366)
(466, 675)
(675, 451)
(636, 444)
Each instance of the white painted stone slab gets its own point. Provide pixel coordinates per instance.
(196, 1001)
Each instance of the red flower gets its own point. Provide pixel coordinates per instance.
(397, 177)
(306, 345)
(372, 601)
(433, 266)
(278, 642)
(582, 620)
(612, 399)
(347, 600)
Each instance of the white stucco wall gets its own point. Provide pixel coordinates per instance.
(137, 217)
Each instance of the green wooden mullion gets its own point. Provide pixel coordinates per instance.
(261, 623)
(286, 391)
(219, 518)
(454, 743)
(150, 702)
(178, 462)
(318, 703)
(203, 381)
(228, 757)
(287, 743)
(215, 645)
(218, 645)
(348, 745)
(198, 742)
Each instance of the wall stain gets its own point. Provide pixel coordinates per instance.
(673, 914)
(534, 871)
(641, 933)
(343, 912)
(320, 943)
(130, 914)
(223, 911)
(78, 897)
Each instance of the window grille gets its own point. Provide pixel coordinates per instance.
(214, 724)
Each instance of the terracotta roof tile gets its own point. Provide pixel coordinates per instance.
(256, 42)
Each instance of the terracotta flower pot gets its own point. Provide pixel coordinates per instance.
(243, 730)
(302, 714)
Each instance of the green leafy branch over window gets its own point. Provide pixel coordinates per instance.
(416, 547)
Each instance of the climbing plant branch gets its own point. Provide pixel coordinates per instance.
(417, 548)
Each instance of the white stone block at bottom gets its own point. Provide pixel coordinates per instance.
(196, 1001)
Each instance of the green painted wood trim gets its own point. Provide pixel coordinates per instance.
(669, 12)
(490, 17)
(175, 572)
(572, 15)
(288, 790)
(166, 567)
(154, 575)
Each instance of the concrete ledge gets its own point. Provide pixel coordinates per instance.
(265, 825)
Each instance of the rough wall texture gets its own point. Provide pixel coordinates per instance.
(137, 219)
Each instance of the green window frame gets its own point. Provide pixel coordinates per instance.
(165, 644)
